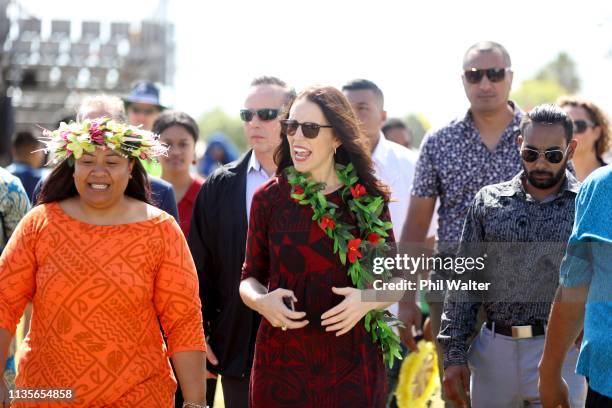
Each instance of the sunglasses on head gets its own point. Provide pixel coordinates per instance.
(580, 126)
(474, 75)
(264, 114)
(552, 156)
(310, 130)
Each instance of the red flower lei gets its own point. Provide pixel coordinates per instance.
(358, 250)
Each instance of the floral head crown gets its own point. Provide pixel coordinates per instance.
(71, 140)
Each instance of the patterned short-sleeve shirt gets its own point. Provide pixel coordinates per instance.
(454, 164)
(14, 204)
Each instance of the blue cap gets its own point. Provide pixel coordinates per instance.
(144, 92)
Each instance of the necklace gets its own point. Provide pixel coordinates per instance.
(359, 250)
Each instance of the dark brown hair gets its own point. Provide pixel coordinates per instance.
(597, 116)
(353, 149)
(169, 118)
(60, 184)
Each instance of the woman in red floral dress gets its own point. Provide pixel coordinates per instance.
(312, 348)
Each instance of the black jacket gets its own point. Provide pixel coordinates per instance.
(217, 240)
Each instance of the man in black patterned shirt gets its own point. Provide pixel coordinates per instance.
(521, 227)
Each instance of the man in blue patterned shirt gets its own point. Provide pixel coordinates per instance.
(459, 159)
(521, 227)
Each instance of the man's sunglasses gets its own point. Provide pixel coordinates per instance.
(552, 156)
(580, 126)
(310, 130)
(474, 75)
(264, 114)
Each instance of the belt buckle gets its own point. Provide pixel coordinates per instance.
(522, 332)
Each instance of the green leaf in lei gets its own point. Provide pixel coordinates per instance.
(367, 211)
(322, 200)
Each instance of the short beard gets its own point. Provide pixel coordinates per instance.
(556, 177)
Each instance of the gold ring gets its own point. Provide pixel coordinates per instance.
(284, 328)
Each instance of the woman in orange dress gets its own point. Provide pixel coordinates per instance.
(102, 268)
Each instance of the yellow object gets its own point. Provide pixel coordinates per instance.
(418, 379)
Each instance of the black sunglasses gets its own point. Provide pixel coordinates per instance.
(474, 75)
(552, 156)
(264, 114)
(310, 130)
(580, 126)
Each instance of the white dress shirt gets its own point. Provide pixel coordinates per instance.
(394, 165)
(256, 176)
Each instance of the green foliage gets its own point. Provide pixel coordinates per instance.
(561, 70)
(535, 92)
(556, 78)
(217, 120)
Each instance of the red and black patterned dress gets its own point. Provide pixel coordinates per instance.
(306, 367)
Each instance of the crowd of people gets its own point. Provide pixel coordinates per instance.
(132, 273)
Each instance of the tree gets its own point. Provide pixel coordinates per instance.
(418, 125)
(217, 120)
(563, 71)
(556, 78)
(534, 92)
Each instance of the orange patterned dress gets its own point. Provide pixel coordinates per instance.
(97, 293)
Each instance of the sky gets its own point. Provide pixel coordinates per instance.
(411, 49)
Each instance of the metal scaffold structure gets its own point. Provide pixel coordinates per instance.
(47, 66)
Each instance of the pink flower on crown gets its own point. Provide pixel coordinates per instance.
(97, 134)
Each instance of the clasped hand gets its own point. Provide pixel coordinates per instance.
(345, 315)
(340, 318)
(273, 308)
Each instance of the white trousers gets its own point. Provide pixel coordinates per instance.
(505, 372)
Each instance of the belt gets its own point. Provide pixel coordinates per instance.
(517, 332)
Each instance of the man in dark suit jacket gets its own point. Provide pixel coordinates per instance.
(217, 240)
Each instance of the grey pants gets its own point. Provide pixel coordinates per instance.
(505, 372)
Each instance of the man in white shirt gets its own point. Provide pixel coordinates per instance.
(394, 165)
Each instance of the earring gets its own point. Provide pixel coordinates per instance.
(335, 148)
